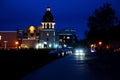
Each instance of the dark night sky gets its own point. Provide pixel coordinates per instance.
(71, 14)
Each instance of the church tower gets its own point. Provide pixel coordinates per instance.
(48, 20)
(48, 33)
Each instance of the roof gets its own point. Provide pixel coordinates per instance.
(48, 17)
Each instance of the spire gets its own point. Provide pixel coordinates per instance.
(48, 17)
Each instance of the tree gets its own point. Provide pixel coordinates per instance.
(100, 22)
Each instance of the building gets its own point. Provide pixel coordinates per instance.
(67, 38)
(8, 39)
(44, 36)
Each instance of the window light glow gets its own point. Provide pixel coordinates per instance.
(50, 45)
(68, 37)
(32, 28)
(47, 34)
(16, 42)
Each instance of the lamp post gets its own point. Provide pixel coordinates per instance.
(100, 44)
(17, 43)
(5, 44)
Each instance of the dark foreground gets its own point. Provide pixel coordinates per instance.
(107, 64)
(77, 67)
(15, 64)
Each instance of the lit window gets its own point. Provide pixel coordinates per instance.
(0, 37)
(32, 29)
(63, 37)
(47, 34)
(43, 27)
(68, 37)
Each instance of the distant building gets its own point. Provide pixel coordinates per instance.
(67, 38)
(8, 39)
(44, 36)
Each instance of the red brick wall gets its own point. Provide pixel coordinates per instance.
(10, 36)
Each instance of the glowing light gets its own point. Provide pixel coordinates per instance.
(63, 53)
(45, 42)
(65, 45)
(16, 42)
(91, 45)
(56, 45)
(50, 45)
(24, 46)
(31, 28)
(107, 46)
(79, 52)
(92, 50)
(39, 45)
(0, 37)
(68, 37)
(100, 43)
(48, 9)
(47, 34)
(80, 57)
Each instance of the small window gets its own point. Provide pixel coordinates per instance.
(68, 37)
(47, 34)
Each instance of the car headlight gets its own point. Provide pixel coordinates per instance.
(79, 52)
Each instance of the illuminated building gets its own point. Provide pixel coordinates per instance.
(44, 36)
(67, 38)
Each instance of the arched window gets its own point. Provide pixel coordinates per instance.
(32, 29)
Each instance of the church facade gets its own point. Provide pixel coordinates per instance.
(44, 36)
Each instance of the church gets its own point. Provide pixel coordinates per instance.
(44, 36)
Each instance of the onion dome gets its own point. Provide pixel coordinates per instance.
(48, 17)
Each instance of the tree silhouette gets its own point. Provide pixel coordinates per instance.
(100, 22)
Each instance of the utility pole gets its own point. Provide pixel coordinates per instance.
(5, 45)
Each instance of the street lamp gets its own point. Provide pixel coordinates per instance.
(16, 43)
(100, 43)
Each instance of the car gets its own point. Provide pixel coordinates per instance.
(58, 52)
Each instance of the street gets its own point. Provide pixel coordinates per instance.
(72, 67)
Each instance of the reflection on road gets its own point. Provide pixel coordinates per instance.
(72, 67)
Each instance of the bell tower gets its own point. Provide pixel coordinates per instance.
(48, 20)
(48, 32)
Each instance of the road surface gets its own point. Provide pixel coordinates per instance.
(72, 67)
